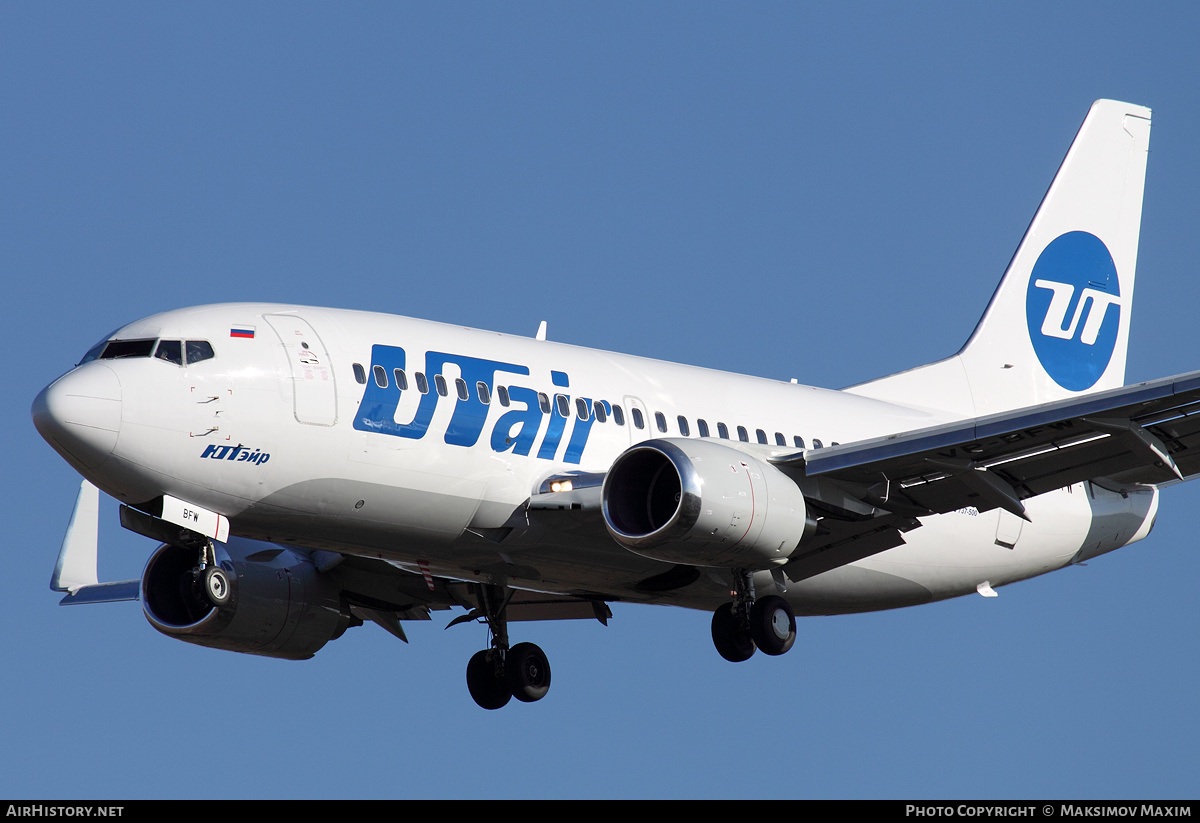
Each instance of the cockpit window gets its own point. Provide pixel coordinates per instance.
(93, 353)
(171, 351)
(198, 350)
(117, 349)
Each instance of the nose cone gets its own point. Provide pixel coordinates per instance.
(80, 414)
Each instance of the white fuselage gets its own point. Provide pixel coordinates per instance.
(277, 432)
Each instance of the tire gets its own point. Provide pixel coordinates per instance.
(528, 672)
(773, 625)
(732, 643)
(218, 589)
(487, 688)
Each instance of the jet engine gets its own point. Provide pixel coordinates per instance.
(259, 598)
(702, 503)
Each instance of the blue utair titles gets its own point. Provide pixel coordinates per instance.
(239, 454)
(515, 430)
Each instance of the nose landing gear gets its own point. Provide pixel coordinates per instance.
(210, 585)
(216, 586)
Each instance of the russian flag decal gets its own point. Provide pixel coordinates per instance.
(242, 331)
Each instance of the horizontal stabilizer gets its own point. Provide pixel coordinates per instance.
(75, 571)
(76, 566)
(104, 593)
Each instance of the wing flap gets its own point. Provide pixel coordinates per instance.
(844, 544)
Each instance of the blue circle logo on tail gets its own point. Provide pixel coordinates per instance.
(1073, 309)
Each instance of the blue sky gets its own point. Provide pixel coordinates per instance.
(826, 192)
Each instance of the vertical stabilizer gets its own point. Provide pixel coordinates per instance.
(1058, 324)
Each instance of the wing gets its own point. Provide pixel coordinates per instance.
(872, 491)
(1145, 434)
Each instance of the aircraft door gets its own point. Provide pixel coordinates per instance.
(314, 391)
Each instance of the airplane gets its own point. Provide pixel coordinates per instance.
(306, 470)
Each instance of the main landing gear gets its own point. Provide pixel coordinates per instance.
(497, 674)
(746, 624)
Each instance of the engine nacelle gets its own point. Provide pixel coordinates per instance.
(702, 503)
(275, 602)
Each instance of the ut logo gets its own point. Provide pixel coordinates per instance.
(1072, 288)
(1060, 302)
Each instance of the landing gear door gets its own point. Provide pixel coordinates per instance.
(313, 387)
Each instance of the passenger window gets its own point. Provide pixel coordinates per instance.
(485, 397)
(581, 408)
(198, 350)
(564, 407)
(422, 382)
(543, 402)
(502, 394)
(360, 374)
(799, 441)
(618, 415)
(601, 415)
(722, 431)
(683, 425)
(439, 382)
(380, 376)
(171, 351)
(702, 425)
(780, 440)
(817, 444)
(660, 420)
(401, 379)
(638, 422)
(460, 386)
(761, 435)
(743, 435)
